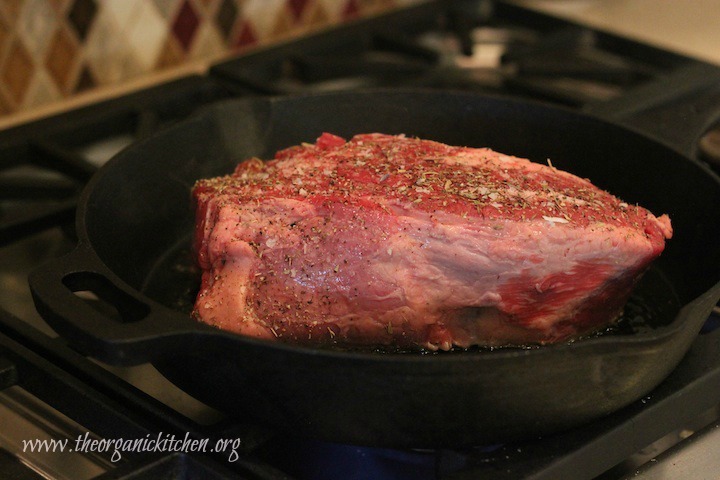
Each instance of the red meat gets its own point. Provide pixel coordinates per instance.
(388, 240)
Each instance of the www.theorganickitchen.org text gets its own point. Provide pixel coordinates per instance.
(150, 443)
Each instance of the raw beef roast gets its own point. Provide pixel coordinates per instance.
(388, 240)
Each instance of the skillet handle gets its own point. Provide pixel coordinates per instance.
(677, 109)
(102, 317)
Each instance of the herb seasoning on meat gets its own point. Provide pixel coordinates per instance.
(390, 240)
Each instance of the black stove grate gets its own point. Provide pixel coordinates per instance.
(43, 166)
(436, 45)
(111, 408)
(485, 47)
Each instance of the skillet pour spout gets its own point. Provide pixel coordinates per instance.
(135, 217)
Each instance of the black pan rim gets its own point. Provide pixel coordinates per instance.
(658, 336)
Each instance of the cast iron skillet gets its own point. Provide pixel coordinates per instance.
(135, 219)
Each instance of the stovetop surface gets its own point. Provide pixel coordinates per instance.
(484, 47)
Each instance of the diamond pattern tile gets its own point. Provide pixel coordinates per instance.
(17, 71)
(36, 23)
(186, 24)
(122, 12)
(226, 17)
(171, 54)
(333, 8)
(145, 33)
(61, 58)
(283, 25)
(4, 39)
(11, 9)
(297, 7)
(5, 105)
(351, 10)
(107, 51)
(85, 81)
(247, 36)
(60, 6)
(167, 8)
(208, 42)
(81, 16)
(317, 16)
(206, 6)
(53, 49)
(262, 14)
(42, 90)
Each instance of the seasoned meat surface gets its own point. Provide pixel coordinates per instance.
(390, 240)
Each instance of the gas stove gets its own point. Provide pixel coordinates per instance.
(50, 392)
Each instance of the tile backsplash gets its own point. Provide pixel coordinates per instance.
(52, 50)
